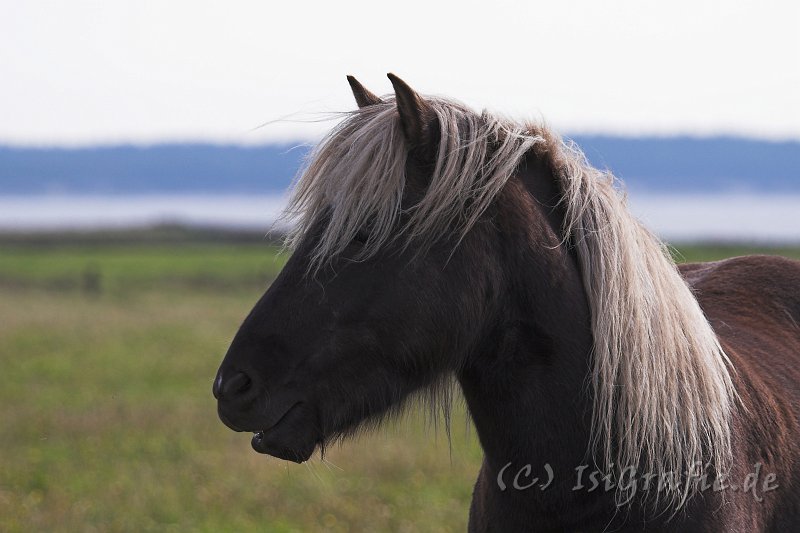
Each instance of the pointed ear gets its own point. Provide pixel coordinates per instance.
(363, 96)
(416, 116)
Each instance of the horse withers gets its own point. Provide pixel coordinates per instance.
(431, 242)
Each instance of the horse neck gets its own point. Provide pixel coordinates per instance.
(526, 386)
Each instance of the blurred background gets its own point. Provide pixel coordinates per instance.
(146, 148)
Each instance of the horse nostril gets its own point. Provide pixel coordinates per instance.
(228, 387)
(238, 383)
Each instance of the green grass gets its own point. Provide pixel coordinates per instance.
(108, 423)
(715, 252)
(137, 267)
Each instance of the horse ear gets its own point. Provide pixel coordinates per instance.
(416, 115)
(363, 96)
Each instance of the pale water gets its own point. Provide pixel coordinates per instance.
(675, 217)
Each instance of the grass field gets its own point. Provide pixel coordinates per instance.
(108, 423)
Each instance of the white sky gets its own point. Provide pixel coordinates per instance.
(77, 72)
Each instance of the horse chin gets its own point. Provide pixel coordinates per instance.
(263, 443)
(292, 438)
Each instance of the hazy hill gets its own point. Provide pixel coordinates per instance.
(697, 164)
(652, 164)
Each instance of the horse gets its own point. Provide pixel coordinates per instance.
(610, 389)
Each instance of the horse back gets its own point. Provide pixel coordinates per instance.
(753, 304)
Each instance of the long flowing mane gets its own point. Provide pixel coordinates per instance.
(663, 395)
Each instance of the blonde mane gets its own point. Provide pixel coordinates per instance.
(663, 391)
(663, 394)
(356, 177)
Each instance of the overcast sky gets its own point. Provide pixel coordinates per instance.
(74, 72)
